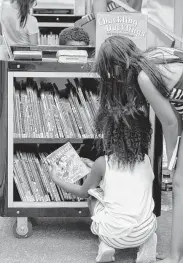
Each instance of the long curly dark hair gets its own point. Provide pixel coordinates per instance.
(122, 119)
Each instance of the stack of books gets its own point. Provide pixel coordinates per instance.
(46, 111)
(32, 174)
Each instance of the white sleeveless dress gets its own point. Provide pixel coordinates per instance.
(125, 217)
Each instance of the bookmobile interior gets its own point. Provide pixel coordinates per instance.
(42, 85)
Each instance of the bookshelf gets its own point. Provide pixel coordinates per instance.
(11, 205)
(54, 16)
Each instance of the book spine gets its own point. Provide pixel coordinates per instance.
(37, 111)
(50, 103)
(95, 105)
(53, 186)
(19, 172)
(45, 121)
(57, 118)
(78, 112)
(24, 104)
(42, 120)
(32, 179)
(46, 111)
(85, 121)
(69, 117)
(77, 132)
(62, 120)
(66, 118)
(47, 177)
(18, 114)
(15, 130)
(77, 117)
(40, 178)
(19, 187)
(26, 175)
(90, 102)
(44, 180)
(31, 116)
(86, 111)
(34, 172)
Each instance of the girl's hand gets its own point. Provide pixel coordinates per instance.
(89, 163)
(53, 168)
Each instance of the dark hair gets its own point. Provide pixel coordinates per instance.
(123, 119)
(73, 33)
(24, 10)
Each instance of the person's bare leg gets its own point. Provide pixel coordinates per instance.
(176, 252)
(105, 252)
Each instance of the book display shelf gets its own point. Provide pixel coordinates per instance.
(26, 86)
(54, 16)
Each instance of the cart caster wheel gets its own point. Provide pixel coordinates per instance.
(23, 231)
(33, 221)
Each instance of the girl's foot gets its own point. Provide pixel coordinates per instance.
(147, 251)
(105, 253)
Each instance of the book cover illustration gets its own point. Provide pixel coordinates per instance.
(71, 166)
(131, 25)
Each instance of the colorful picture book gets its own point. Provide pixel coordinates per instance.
(131, 25)
(33, 182)
(71, 166)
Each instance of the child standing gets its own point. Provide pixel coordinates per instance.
(124, 218)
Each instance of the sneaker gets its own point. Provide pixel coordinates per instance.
(105, 253)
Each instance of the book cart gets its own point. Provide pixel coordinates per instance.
(10, 202)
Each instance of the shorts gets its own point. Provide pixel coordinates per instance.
(136, 238)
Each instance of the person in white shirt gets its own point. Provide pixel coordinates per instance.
(19, 27)
(123, 217)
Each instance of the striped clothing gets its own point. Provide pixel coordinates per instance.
(124, 217)
(136, 238)
(177, 94)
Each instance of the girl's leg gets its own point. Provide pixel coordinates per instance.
(176, 252)
(177, 223)
(147, 251)
(91, 204)
(105, 252)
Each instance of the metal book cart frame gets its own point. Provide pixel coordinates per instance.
(25, 211)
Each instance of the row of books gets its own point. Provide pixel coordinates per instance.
(32, 179)
(50, 39)
(46, 112)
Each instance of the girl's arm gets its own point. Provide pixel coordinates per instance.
(163, 110)
(92, 181)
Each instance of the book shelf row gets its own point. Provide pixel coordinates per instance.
(32, 179)
(49, 39)
(44, 110)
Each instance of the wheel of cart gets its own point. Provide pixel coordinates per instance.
(22, 227)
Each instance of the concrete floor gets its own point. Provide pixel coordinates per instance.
(59, 240)
(56, 240)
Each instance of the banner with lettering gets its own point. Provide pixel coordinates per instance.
(131, 25)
